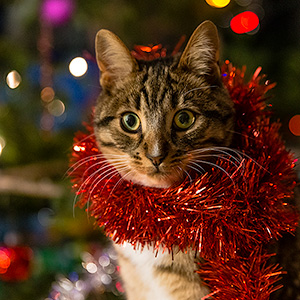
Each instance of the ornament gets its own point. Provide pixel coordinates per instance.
(15, 263)
(227, 215)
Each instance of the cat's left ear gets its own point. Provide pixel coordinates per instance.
(201, 54)
(113, 57)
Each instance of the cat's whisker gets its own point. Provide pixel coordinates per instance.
(241, 134)
(90, 177)
(242, 154)
(226, 151)
(83, 185)
(119, 181)
(199, 88)
(124, 168)
(108, 168)
(105, 166)
(86, 138)
(219, 157)
(238, 161)
(113, 172)
(213, 165)
(187, 173)
(81, 162)
(201, 170)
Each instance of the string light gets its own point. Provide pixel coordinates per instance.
(218, 3)
(13, 79)
(294, 125)
(2, 144)
(78, 66)
(244, 22)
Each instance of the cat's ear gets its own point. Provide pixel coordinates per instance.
(201, 54)
(114, 59)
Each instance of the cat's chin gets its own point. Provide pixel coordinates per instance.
(155, 181)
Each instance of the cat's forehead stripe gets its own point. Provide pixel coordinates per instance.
(156, 87)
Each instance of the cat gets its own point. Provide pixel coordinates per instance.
(154, 122)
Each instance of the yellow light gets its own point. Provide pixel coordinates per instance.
(218, 3)
(78, 66)
(13, 79)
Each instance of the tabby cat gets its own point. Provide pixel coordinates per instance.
(155, 122)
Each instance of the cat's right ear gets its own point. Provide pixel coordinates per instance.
(114, 59)
(201, 54)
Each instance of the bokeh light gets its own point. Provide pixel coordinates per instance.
(47, 122)
(47, 94)
(91, 267)
(244, 22)
(78, 66)
(243, 2)
(5, 260)
(218, 3)
(294, 125)
(56, 108)
(57, 12)
(2, 144)
(13, 79)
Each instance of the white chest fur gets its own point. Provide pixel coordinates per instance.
(146, 264)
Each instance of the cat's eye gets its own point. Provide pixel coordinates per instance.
(130, 122)
(183, 120)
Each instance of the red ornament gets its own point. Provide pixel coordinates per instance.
(228, 217)
(154, 52)
(15, 263)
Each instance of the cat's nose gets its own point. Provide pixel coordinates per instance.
(156, 160)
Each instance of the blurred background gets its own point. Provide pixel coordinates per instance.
(48, 83)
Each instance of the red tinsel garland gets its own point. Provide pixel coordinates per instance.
(226, 216)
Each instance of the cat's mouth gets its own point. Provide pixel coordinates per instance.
(155, 178)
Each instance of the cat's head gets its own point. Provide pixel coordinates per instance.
(155, 120)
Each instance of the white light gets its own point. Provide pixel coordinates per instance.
(80, 285)
(106, 279)
(13, 79)
(91, 268)
(78, 66)
(104, 261)
(66, 284)
(2, 144)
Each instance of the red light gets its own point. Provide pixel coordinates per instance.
(5, 260)
(294, 125)
(244, 22)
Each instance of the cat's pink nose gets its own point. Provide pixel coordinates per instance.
(156, 160)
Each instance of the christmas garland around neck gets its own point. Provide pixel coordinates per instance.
(227, 215)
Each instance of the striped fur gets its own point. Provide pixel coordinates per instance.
(159, 153)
